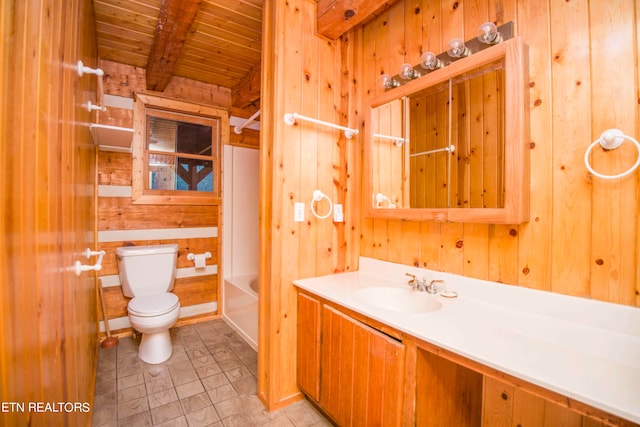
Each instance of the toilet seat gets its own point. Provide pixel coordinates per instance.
(153, 305)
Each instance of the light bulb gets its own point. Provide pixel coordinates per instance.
(457, 49)
(488, 33)
(429, 61)
(407, 72)
(387, 82)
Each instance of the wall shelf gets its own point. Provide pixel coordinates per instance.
(112, 138)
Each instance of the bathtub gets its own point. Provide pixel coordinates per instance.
(240, 306)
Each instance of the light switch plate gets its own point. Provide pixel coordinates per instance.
(338, 214)
(298, 212)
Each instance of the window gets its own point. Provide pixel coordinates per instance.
(176, 151)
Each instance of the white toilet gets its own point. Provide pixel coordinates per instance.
(147, 274)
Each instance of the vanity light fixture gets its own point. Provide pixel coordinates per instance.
(457, 49)
(407, 72)
(387, 82)
(487, 36)
(488, 33)
(429, 61)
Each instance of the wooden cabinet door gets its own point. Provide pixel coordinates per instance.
(361, 372)
(309, 345)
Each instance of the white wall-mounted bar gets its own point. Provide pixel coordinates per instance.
(82, 70)
(398, 140)
(238, 129)
(450, 149)
(290, 119)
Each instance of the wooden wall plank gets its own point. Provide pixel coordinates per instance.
(534, 246)
(114, 168)
(249, 138)
(613, 229)
(118, 213)
(572, 215)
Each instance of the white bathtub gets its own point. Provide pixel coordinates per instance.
(240, 306)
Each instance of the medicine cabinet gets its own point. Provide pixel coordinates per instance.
(453, 145)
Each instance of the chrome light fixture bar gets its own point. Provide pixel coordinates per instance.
(488, 35)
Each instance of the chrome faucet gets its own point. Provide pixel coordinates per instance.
(422, 285)
(431, 287)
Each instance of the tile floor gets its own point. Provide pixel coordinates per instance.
(210, 380)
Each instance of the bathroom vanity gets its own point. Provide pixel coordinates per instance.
(488, 354)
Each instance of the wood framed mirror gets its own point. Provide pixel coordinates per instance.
(453, 145)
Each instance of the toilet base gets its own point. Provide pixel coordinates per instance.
(155, 348)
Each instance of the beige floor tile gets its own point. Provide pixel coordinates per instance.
(176, 422)
(130, 381)
(142, 419)
(203, 417)
(208, 370)
(246, 386)
(155, 372)
(132, 407)
(135, 392)
(189, 389)
(162, 398)
(181, 378)
(214, 381)
(166, 412)
(236, 374)
(159, 385)
(195, 403)
(303, 414)
(222, 393)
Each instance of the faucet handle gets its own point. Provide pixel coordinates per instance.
(413, 282)
(431, 287)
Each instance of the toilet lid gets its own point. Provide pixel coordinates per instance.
(153, 305)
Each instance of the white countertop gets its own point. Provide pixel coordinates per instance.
(584, 349)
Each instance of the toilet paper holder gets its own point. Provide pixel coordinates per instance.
(192, 257)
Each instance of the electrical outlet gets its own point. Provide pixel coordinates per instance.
(298, 211)
(338, 214)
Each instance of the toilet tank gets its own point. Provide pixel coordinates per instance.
(147, 270)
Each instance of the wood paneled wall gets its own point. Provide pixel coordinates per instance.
(305, 74)
(47, 313)
(117, 213)
(583, 236)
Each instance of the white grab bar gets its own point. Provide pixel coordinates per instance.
(290, 119)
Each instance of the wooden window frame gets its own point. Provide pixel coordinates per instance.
(140, 194)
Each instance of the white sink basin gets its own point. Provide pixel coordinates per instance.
(398, 299)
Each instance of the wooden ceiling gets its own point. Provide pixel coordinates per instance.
(213, 41)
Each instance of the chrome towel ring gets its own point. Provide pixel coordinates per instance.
(609, 140)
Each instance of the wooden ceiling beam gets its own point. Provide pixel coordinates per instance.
(247, 92)
(336, 17)
(174, 23)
